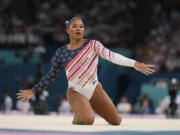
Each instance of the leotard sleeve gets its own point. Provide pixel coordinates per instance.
(55, 70)
(112, 56)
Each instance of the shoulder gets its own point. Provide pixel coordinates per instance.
(58, 55)
(60, 50)
(95, 42)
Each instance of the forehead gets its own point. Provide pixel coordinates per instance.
(77, 21)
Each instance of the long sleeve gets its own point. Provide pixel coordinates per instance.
(112, 56)
(55, 70)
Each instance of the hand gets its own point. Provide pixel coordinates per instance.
(143, 68)
(25, 95)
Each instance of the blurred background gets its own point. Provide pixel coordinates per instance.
(147, 31)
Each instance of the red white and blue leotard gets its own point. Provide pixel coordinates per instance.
(81, 66)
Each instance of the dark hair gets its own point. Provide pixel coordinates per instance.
(67, 23)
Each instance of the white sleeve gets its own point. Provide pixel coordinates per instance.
(111, 56)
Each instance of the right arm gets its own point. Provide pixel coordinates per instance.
(55, 70)
(121, 60)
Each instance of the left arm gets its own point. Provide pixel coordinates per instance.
(121, 60)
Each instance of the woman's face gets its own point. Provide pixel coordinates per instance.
(76, 29)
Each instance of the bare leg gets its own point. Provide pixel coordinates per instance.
(102, 105)
(83, 112)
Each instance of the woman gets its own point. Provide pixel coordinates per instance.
(80, 59)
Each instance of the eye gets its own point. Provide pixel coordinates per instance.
(81, 26)
(74, 26)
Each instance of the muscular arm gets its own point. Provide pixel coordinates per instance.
(56, 68)
(111, 56)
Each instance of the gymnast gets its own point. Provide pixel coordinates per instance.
(85, 93)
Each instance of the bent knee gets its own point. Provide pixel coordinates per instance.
(87, 120)
(116, 121)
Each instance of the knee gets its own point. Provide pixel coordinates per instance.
(116, 121)
(86, 120)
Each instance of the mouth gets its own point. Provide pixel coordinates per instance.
(78, 33)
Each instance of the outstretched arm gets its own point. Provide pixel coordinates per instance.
(121, 60)
(56, 68)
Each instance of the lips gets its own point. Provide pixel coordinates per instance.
(78, 33)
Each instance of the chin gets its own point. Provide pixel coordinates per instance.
(78, 38)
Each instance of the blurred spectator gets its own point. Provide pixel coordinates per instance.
(8, 103)
(39, 103)
(161, 83)
(166, 104)
(124, 106)
(23, 106)
(159, 109)
(171, 103)
(143, 104)
(64, 106)
(145, 107)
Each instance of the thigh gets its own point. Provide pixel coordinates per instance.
(81, 106)
(103, 105)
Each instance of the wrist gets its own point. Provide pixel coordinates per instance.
(135, 64)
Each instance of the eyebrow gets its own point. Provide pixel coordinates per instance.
(76, 24)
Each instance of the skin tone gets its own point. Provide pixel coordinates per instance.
(99, 98)
(76, 33)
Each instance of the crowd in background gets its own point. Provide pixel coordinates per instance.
(114, 28)
(162, 46)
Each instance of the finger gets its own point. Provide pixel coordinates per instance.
(149, 73)
(151, 66)
(27, 100)
(23, 99)
(23, 91)
(151, 70)
(21, 96)
(145, 73)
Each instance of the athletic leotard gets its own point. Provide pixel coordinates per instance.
(81, 66)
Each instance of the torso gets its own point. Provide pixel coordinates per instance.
(81, 67)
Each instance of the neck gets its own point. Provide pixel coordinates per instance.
(74, 42)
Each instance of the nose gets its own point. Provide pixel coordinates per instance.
(78, 28)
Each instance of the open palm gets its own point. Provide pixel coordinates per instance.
(144, 68)
(25, 95)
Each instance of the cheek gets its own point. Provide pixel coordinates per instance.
(71, 31)
(83, 31)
